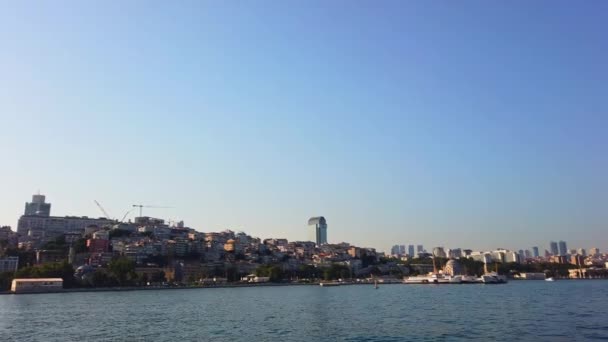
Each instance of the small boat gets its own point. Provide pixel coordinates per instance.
(550, 279)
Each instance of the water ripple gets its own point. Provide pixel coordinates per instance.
(539, 311)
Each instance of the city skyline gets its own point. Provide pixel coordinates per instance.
(442, 125)
(317, 230)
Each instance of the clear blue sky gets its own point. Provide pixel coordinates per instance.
(461, 124)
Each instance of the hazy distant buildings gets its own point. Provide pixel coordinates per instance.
(38, 206)
(581, 251)
(318, 229)
(535, 251)
(594, 251)
(410, 250)
(553, 248)
(419, 249)
(563, 249)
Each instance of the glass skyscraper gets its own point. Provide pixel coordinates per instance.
(553, 248)
(535, 251)
(318, 230)
(563, 249)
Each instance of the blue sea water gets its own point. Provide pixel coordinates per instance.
(519, 310)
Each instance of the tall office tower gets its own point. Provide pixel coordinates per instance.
(395, 250)
(553, 248)
(581, 251)
(419, 249)
(594, 251)
(527, 254)
(522, 256)
(402, 250)
(563, 249)
(410, 250)
(38, 207)
(535, 251)
(318, 229)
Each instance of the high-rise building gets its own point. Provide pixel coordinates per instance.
(395, 250)
(521, 254)
(563, 249)
(402, 250)
(527, 254)
(318, 228)
(38, 207)
(535, 251)
(410, 250)
(581, 251)
(594, 251)
(419, 249)
(553, 248)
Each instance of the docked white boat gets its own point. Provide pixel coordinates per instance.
(493, 278)
(456, 279)
(433, 278)
(416, 280)
(467, 279)
(550, 279)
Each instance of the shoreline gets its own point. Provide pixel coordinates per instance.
(151, 288)
(237, 285)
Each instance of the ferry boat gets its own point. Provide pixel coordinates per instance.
(433, 278)
(416, 280)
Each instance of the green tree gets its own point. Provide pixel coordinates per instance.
(123, 270)
(101, 278)
(274, 272)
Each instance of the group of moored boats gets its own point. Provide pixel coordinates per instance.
(439, 278)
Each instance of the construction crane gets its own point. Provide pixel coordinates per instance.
(141, 206)
(125, 215)
(102, 210)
